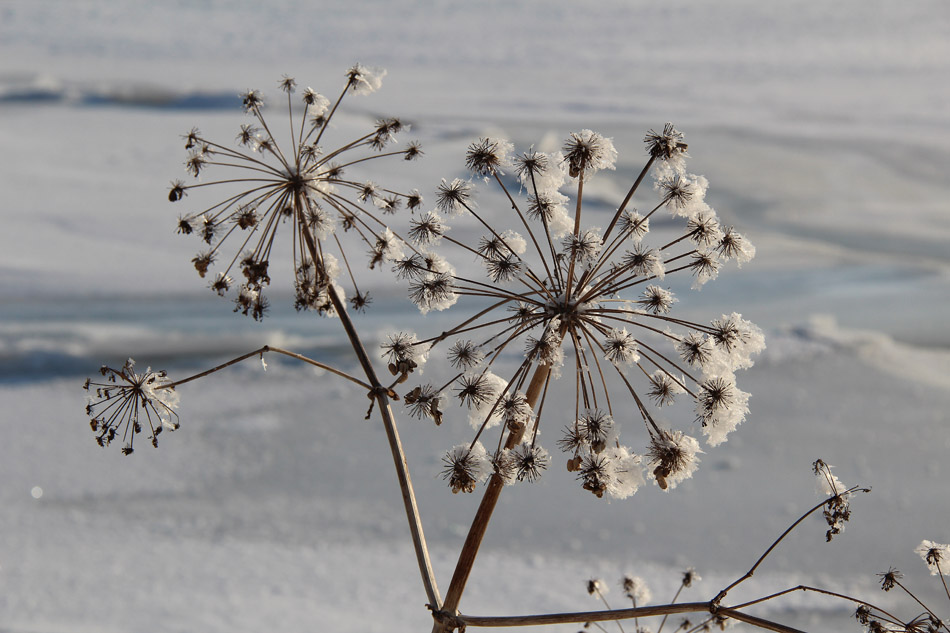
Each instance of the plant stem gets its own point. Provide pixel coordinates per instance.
(621, 614)
(381, 396)
(748, 574)
(399, 457)
(476, 532)
(262, 351)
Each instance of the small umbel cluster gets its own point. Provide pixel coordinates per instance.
(588, 302)
(299, 182)
(128, 402)
(876, 620)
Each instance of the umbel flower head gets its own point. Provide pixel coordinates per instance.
(590, 303)
(126, 402)
(284, 174)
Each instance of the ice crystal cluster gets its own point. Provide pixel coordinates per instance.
(285, 174)
(580, 303)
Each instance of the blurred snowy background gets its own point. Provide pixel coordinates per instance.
(823, 128)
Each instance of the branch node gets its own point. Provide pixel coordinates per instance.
(449, 621)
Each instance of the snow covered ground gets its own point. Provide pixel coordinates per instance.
(823, 130)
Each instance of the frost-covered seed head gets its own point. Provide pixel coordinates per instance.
(636, 589)
(465, 355)
(465, 466)
(428, 229)
(530, 165)
(620, 347)
(705, 266)
(667, 144)
(364, 80)
(703, 229)
(425, 401)
(433, 292)
(672, 456)
(585, 247)
(663, 388)
(287, 84)
(127, 401)
(587, 152)
(936, 555)
(695, 349)
(584, 296)
(453, 197)
(596, 428)
(657, 300)
(487, 156)
(690, 576)
(530, 462)
(597, 586)
(502, 269)
(285, 187)
(676, 191)
(252, 100)
(732, 245)
(474, 390)
(643, 261)
(633, 224)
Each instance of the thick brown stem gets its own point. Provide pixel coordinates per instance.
(466, 560)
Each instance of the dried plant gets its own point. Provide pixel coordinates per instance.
(557, 292)
(564, 293)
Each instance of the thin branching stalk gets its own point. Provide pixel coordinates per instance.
(380, 394)
(260, 352)
(748, 574)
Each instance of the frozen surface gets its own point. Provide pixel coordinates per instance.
(823, 130)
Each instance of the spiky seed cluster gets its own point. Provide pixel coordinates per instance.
(299, 182)
(425, 401)
(465, 466)
(404, 353)
(596, 297)
(488, 156)
(672, 456)
(127, 402)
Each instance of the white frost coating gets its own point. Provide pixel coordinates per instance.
(495, 385)
(687, 448)
(551, 179)
(828, 485)
(934, 553)
(392, 249)
(437, 263)
(624, 474)
(707, 273)
(515, 242)
(319, 106)
(366, 79)
(167, 397)
(331, 266)
(604, 156)
(720, 419)
(478, 460)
